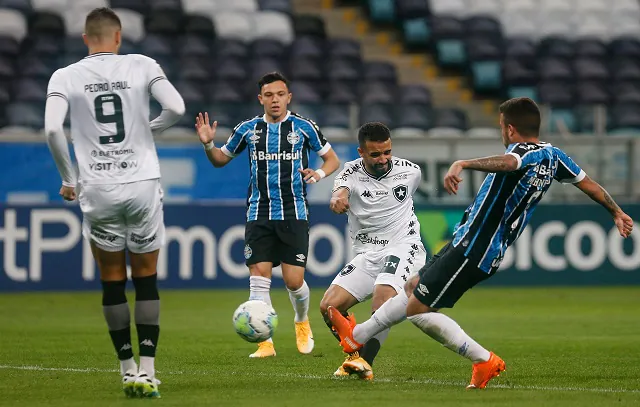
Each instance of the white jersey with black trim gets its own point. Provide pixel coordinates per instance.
(108, 97)
(381, 211)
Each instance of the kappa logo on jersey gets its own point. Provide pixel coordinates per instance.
(366, 194)
(347, 269)
(400, 192)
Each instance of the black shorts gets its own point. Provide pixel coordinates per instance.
(446, 276)
(276, 241)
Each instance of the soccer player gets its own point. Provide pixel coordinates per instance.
(516, 183)
(277, 229)
(119, 179)
(376, 190)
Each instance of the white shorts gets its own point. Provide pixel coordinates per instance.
(392, 266)
(129, 215)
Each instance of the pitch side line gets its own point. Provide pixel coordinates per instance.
(317, 377)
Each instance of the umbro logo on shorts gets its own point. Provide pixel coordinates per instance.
(422, 289)
(300, 257)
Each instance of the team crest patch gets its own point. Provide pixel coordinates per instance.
(293, 138)
(400, 192)
(247, 252)
(347, 270)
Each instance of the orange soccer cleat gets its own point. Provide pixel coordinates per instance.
(485, 371)
(344, 328)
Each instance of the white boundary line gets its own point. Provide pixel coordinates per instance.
(328, 377)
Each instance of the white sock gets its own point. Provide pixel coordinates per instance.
(389, 314)
(300, 301)
(259, 288)
(447, 331)
(147, 364)
(128, 364)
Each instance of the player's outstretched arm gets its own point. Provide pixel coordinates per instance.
(596, 192)
(206, 133)
(496, 163)
(172, 105)
(54, 114)
(339, 201)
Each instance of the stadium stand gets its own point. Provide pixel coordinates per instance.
(214, 51)
(568, 55)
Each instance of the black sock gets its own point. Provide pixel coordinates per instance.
(370, 350)
(116, 313)
(147, 314)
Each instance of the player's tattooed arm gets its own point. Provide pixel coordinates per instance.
(496, 163)
(595, 191)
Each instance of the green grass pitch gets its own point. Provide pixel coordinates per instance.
(562, 347)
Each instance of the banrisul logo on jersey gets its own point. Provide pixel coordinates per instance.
(279, 156)
(436, 227)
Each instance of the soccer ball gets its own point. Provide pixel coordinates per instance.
(255, 321)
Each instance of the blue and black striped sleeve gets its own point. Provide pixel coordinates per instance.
(568, 171)
(315, 137)
(237, 141)
(526, 153)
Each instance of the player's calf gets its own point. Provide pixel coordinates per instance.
(147, 316)
(116, 313)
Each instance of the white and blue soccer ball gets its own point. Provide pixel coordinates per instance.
(255, 321)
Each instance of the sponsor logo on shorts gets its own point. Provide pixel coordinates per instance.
(300, 257)
(347, 269)
(121, 165)
(103, 236)
(364, 238)
(247, 252)
(422, 289)
(137, 239)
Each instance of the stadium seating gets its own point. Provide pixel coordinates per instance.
(567, 54)
(214, 51)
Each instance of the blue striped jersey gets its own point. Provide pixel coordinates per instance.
(505, 202)
(276, 152)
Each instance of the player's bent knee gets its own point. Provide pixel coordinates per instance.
(411, 285)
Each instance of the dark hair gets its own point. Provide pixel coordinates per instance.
(100, 19)
(270, 78)
(523, 114)
(373, 131)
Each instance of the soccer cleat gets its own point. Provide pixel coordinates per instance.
(128, 383)
(344, 328)
(341, 372)
(146, 387)
(265, 350)
(304, 337)
(356, 365)
(485, 371)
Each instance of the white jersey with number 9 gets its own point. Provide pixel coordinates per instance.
(108, 97)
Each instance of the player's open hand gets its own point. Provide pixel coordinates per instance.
(624, 224)
(68, 193)
(339, 204)
(310, 176)
(452, 179)
(206, 132)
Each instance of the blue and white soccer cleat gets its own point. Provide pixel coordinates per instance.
(146, 387)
